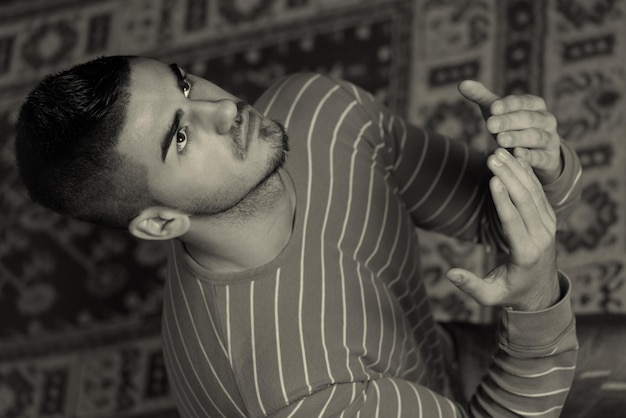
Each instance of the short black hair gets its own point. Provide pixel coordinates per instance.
(66, 144)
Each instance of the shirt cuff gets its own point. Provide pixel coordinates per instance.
(560, 190)
(538, 330)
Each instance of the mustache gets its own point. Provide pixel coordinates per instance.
(235, 130)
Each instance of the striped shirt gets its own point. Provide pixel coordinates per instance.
(339, 323)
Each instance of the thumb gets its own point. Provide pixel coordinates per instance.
(476, 92)
(470, 284)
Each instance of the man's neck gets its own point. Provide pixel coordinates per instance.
(244, 240)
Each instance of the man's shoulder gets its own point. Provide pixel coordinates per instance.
(312, 91)
(299, 84)
(306, 77)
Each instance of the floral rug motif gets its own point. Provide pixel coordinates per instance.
(571, 52)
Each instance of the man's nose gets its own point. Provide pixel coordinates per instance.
(218, 116)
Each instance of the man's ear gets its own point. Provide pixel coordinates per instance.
(159, 223)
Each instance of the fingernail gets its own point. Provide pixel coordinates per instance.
(492, 125)
(504, 140)
(496, 161)
(454, 277)
(502, 154)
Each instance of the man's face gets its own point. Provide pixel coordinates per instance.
(203, 149)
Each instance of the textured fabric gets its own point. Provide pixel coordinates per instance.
(339, 323)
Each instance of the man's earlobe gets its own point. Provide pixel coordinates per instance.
(159, 223)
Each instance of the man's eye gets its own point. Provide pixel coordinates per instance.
(181, 140)
(186, 88)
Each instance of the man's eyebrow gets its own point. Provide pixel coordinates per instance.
(179, 75)
(169, 136)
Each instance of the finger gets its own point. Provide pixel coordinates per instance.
(528, 138)
(521, 119)
(513, 225)
(518, 170)
(540, 159)
(514, 170)
(543, 199)
(517, 102)
(476, 92)
(523, 189)
(486, 292)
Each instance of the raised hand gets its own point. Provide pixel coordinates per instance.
(528, 280)
(522, 123)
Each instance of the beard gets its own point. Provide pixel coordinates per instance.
(261, 196)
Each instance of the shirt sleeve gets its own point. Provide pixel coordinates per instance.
(444, 182)
(530, 375)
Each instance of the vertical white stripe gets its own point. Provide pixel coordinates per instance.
(395, 242)
(452, 407)
(355, 92)
(419, 401)
(182, 372)
(369, 199)
(418, 167)
(378, 400)
(201, 346)
(390, 124)
(228, 337)
(276, 93)
(293, 413)
(304, 230)
(298, 97)
(403, 264)
(382, 229)
(253, 342)
(329, 200)
(402, 144)
(278, 348)
(436, 403)
(171, 357)
(398, 397)
(381, 128)
(572, 187)
(364, 229)
(393, 338)
(348, 210)
(380, 320)
(330, 397)
(208, 312)
(411, 273)
(364, 402)
(181, 375)
(405, 342)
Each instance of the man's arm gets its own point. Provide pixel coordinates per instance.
(445, 182)
(534, 364)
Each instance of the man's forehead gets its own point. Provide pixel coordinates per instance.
(147, 70)
(147, 110)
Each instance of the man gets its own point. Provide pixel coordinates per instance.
(294, 288)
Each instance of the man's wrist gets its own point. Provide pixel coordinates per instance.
(541, 299)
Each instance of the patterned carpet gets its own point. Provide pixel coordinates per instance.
(80, 305)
